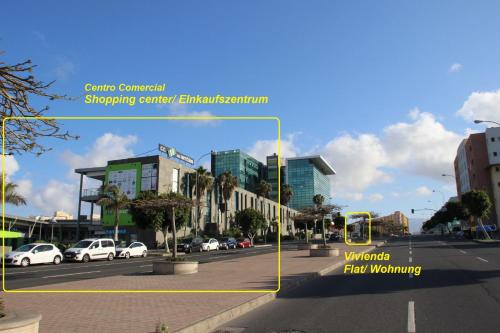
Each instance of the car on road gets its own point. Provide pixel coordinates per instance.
(243, 242)
(91, 249)
(34, 253)
(134, 249)
(189, 245)
(227, 243)
(210, 244)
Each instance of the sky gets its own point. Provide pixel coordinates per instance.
(384, 90)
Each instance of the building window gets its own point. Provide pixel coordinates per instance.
(495, 153)
(492, 139)
(175, 180)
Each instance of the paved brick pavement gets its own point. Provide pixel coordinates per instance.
(133, 312)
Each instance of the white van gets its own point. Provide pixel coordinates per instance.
(91, 249)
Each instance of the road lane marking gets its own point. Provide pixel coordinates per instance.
(146, 265)
(482, 259)
(411, 317)
(462, 251)
(410, 252)
(61, 275)
(410, 259)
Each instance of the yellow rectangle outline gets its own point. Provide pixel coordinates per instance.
(369, 229)
(278, 122)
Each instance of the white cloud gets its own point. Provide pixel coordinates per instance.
(482, 106)
(54, 196)
(11, 166)
(106, 147)
(424, 147)
(179, 110)
(455, 68)
(263, 148)
(357, 161)
(376, 197)
(352, 196)
(423, 191)
(24, 187)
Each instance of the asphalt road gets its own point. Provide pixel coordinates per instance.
(38, 275)
(457, 291)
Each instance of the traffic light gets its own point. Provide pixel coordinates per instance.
(413, 211)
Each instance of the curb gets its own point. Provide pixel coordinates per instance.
(211, 323)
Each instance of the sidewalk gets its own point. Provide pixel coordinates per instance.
(135, 312)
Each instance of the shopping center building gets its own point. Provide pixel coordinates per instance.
(163, 175)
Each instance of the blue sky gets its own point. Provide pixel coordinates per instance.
(385, 90)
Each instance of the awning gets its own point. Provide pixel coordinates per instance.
(11, 234)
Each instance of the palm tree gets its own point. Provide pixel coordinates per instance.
(205, 182)
(115, 200)
(263, 189)
(286, 194)
(11, 196)
(227, 183)
(318, 200)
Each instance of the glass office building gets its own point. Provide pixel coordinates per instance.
(308, 176)
(248, 170)
(272, 175)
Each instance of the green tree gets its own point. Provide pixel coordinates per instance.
(18, 88)
(11, 195)
(114, 200)
(166, 212)
(477, 204)
(250, 221)
(227, 183)
(286, 194)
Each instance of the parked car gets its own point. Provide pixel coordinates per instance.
(189, 245)
(211, 244)
(35, 253)
(227, 243)
(335, 237)
(91, 249)
(134, 249)
(243, 242)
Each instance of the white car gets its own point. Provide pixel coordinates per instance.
(91, 249)
(134, 249)
(36, 253)
(211, 244)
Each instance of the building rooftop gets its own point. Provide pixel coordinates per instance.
(318, 161)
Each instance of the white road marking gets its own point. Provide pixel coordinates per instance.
(410, 275)
(61, 275)
(482, 259)
(411, 317)
(146, 265)
(411, 259)
(410, 252)
(462, 251)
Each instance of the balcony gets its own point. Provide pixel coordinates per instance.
(91, 194)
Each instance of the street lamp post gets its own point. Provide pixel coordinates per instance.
(197, 193)
(486, 121)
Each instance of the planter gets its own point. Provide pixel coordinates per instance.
(324, 252)
(165, 267)
(20, 322)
